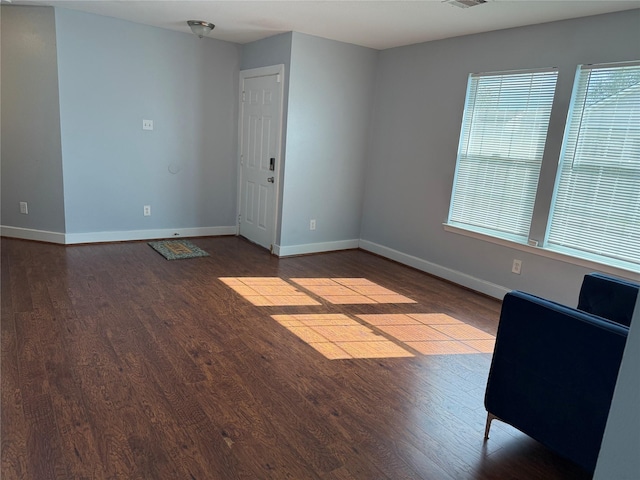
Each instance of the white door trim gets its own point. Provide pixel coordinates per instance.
(252, 73)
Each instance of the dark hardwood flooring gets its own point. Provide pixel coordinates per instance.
(119, 364)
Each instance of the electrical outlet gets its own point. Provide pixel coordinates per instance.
(24, 209)
(312, 224)
(147, 124)
(517, 266)
(147, 210)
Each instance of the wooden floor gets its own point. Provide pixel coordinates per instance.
(119, 364)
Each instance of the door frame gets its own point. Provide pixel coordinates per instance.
(253, 73)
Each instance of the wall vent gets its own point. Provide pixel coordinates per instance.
(465, 3)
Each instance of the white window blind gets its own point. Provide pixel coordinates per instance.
(596, 205)
(502, 140)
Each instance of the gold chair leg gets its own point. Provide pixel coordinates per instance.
(490, 418)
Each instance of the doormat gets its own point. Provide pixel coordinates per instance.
(177, 249)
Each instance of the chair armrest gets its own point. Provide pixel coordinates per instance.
(553, 374)
(608, 297)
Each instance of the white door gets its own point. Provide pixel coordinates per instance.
(260, 127)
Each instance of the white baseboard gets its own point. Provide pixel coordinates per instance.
(289, 250)
(454, 276)
(123, 236)
(31, 234)
(117, 236)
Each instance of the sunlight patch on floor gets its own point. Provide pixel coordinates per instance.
(268, 291)
(337, 336)
(344, 291)
(433, 333)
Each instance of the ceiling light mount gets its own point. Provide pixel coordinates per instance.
(200, 27)
(465, 3)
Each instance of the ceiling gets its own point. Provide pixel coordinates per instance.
(376, 24)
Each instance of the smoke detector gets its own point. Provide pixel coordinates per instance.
(465, 3)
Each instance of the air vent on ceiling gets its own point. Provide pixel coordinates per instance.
(465, 3)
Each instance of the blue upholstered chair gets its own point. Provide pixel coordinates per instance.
(554, 368)
(608, 297)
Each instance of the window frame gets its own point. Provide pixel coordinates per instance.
(509, 168)
(543, 205)
(571, 143)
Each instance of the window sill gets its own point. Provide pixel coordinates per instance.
(621, 271)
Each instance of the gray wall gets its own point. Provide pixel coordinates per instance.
(330, 93)
(619, 459)
(113, 74)
(31, 151)
(419, 101)
(270, 51)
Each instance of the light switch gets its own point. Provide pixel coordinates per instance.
(147, 124)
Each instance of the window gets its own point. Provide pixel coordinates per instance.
(596, 204)
(502, 140)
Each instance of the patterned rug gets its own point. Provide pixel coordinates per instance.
(177, 249)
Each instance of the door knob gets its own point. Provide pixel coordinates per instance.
(270, 179)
